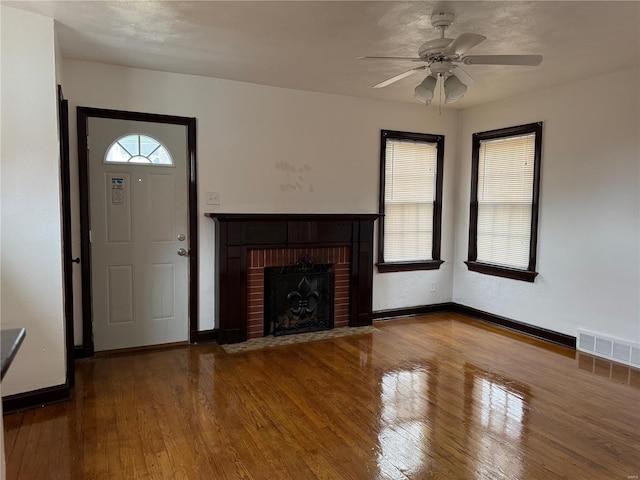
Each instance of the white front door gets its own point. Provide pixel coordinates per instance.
(139, 222)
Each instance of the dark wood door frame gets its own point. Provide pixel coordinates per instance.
(67, 242)
(83, 115)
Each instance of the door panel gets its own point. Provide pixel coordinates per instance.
(161, 205)
(139, 282)
(162, 291)
(120, 294)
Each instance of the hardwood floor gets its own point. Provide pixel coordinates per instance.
(433, 397)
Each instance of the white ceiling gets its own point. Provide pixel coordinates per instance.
(309, 45)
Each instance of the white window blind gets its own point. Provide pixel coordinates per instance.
(505, 196)
(409, 195)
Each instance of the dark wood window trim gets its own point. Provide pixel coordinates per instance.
(384, 267)
(500, 271)
(435, 262)
(473, 265)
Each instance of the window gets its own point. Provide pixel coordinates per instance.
(505, 185)
(410, 201)
(139, 149)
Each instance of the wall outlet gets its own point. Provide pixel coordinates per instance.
(212, 198)
(433, 287)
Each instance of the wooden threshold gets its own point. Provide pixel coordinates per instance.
(144, 348)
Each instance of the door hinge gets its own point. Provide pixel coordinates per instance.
(90, 237)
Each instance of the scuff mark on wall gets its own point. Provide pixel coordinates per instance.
(295, 176)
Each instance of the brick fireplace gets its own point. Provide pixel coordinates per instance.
(259, 259)
(248, 243)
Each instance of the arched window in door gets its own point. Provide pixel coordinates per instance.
(138, 149)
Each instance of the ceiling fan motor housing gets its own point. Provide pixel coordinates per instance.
(441, 67)
(442, 20)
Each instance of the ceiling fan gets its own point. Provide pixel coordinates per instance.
(441, 58)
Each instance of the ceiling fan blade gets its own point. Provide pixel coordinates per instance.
(463, 75)
(395, 78)
(411, 59)
(525, 60)
(464, 42)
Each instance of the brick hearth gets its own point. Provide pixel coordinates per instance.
(258, 259)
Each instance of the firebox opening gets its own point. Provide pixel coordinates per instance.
(298, 298)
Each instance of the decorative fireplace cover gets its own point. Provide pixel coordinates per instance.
(298, 298)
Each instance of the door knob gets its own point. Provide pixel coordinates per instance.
(182, 252)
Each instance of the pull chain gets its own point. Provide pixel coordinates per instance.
(440, 100)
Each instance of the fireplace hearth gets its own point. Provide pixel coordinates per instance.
(298, 298)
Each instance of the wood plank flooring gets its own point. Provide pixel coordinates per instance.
(434, 397)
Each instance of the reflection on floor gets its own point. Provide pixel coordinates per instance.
(617, 372)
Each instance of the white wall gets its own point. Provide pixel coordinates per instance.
(249, 136)
(589, 231)
(31, 277)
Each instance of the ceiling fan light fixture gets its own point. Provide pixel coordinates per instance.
(441, 67)
(424, 91)
(454, 89)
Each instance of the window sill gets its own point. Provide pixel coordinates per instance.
(505, 272)
(384, 267)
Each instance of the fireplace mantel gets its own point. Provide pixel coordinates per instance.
(237, 233)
